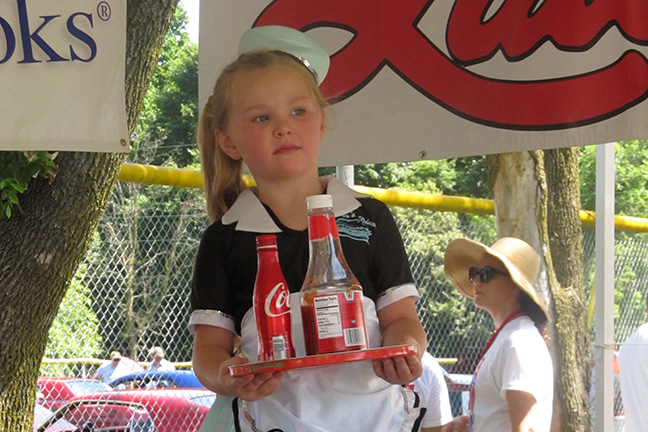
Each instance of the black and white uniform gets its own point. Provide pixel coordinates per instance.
(331, 398)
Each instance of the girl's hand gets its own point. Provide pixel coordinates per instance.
(248, 387)
(399, 370)
(399, 324)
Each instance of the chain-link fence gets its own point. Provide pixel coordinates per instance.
(132, 291)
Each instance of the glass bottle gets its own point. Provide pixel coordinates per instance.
(271, 303)
(331, 297)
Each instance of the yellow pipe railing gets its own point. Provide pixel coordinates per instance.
(430, 201)
(177, 177)
(149, 174)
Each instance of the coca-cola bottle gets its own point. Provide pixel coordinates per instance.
(331, 297)
(271, 303)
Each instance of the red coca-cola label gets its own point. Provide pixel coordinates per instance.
(337, 321)
(277, 302)
(272, 304)
(274, 324)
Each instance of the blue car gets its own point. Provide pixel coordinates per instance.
(157, 379)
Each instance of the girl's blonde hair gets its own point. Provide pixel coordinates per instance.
(223, 176)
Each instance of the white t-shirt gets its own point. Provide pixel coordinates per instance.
(519, 360)
(633, 368)
(433, 391)
(105, 371)
(108, 372)
(164, 366)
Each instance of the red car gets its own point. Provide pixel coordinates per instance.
(172, 410)
(54, 392)
(94, 416)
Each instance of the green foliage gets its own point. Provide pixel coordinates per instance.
(462, 176)
(16, 170)
(631, 189)
(629, 285)
(423, 176)
(143, 265)
(631, 185)
(472, 178)
(75, 330)
(169, 116)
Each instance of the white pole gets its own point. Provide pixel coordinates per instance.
(604, 277)
(344, 173)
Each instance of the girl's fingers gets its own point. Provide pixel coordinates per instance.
(261, 386)
(399, 370)
(415, 365)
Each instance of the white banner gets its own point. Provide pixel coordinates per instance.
(432, 79)
(62, 72)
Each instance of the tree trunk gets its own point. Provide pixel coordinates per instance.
(565, 241)
(43, 244)
(524, 209)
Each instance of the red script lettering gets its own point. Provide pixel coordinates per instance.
(385, 33)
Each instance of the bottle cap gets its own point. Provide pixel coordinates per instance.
(319, 201)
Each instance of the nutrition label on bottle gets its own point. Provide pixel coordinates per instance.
(327, 316)
(339, 322)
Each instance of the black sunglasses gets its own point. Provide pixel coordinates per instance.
(485, 273)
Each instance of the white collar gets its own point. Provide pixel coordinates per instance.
(251, 215)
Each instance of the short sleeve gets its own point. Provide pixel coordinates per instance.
(390, 264)
(522, 359)
(210, 297)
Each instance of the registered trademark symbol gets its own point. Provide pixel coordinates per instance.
(104, 11)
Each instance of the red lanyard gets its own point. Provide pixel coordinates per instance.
(471, 403)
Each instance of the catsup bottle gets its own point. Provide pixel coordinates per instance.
(271, 303)
(331, 297)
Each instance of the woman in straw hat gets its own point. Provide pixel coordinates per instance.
(512, 387)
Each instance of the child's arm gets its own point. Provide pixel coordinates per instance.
(400, 324)
(212, 355)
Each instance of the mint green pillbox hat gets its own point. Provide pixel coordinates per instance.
(299, 45)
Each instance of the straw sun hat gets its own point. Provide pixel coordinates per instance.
(520, 259)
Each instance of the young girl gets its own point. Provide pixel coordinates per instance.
(266, 111)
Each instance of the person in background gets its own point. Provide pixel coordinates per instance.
(158, 362)
(512, 387)
(267, 111)
(106, 371)
(432, 389)
(633, 371)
